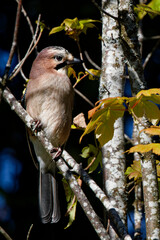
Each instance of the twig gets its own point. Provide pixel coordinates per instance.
(14, 43)
(5, 234)
(84, 97)
(29, 231)
(103, 11)
(83, 64)
(91, 61)
(21, 70)
(28, 21)
(90, 164)
(150, 38)
(29, 51)
(150, 54)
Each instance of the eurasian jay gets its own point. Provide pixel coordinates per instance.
(49, 100)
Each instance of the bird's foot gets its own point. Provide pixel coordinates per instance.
(36, 126)
(56, 153)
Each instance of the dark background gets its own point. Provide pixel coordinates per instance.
(18, 176)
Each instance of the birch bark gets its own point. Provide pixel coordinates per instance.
(131, 49)
(111, 85)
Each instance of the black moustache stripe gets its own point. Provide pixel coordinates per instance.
(61, 65)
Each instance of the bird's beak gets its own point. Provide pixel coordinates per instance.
(74, 61)
(68, 62)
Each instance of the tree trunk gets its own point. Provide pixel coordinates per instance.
(111, 85)
(132, 54)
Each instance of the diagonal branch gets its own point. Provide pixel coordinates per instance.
(113, 215)
(85, 204)
(93, 218)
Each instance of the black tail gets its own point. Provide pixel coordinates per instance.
(48, 199)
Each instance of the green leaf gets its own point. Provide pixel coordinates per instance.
(85, 152)
(94, 156)
(153, 9)
(96, 162)
(72, 202)
(56, 29)
(72, 214)
(68, 192)
(74, 27)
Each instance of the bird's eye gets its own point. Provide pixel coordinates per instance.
(58, 58)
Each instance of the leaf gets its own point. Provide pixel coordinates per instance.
(148, 92)
(153, 130)
(153, 9)
(95, 163)
(71, 72)
(72, 213)
(154, 147)
(74, 27)
(94, 156)
(89, 151)
(103, 119)
(134, 171)
(144, 105)
(56, 29)
(72, 202)
(96, 74)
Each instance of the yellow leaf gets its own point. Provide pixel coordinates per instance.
(153, 130)
(96, 74)
(154, 147)
(103, 120)
(148, 92)
(134, 171)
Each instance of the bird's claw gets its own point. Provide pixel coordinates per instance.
(56, 153)
(36, 126)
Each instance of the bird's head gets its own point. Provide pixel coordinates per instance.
(53, 59)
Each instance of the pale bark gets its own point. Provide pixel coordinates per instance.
(111, 85)
(131, 49)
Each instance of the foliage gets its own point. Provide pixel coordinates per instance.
(72, 202)
(94, 156)
(92, 74)
(152, 8)
(74, 27)
(107, 111)
(134, 171)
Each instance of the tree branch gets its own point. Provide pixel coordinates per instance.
(113, 215)
(93, 218)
